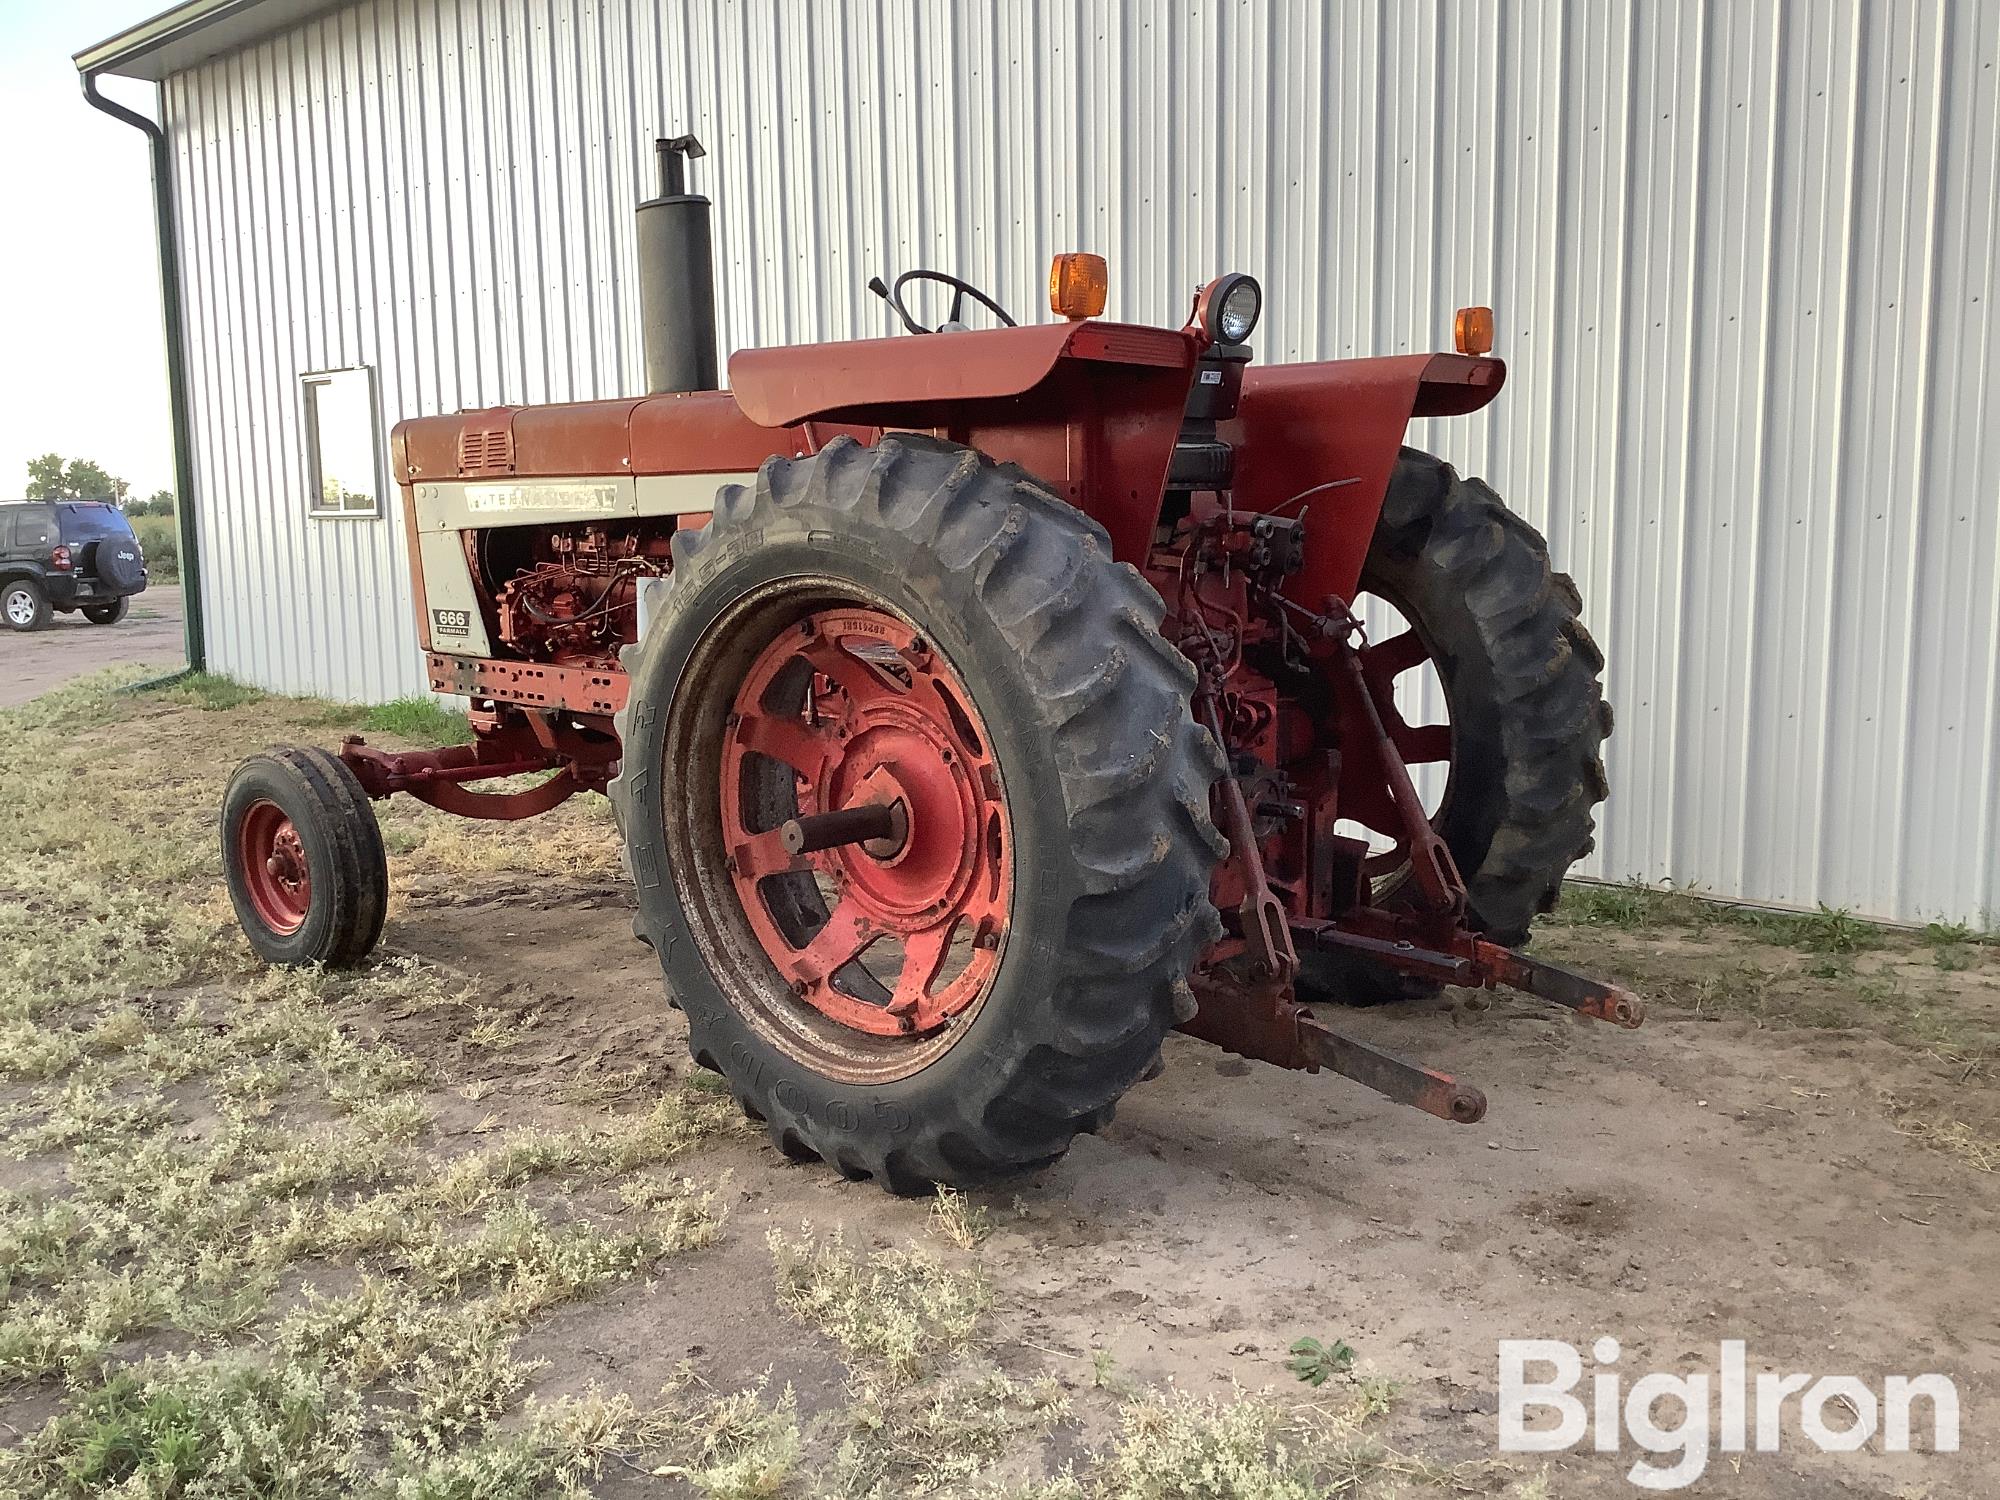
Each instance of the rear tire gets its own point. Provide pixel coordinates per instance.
(1104, 783)
(1522, 677)
(303, 857)
(23, 605)
(108, 614)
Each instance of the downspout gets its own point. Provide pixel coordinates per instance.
(168, 241)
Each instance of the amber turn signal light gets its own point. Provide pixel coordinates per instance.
(1472, 330)
(1078, 283)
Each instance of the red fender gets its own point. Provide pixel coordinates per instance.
(1091, 409)
(880, 380)
(1301, 430)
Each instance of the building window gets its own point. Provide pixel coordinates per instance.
(342, 476)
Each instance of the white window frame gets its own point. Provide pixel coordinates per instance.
(316, 506)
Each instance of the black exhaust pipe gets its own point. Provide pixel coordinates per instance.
(677, 277)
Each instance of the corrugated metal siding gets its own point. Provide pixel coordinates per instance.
(1741, 252)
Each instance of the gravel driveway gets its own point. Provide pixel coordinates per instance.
(32, 662)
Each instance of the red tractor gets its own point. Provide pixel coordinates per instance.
(979, 707)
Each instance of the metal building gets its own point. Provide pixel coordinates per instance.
(1741, 251)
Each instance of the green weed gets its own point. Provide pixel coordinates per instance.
(195, 1429)
(424, 721)
(1634, 905)
(1316, 1363)
(211, 691)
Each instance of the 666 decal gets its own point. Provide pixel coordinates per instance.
(451, 621)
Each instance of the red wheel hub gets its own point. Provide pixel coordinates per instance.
(861, 712)
(275, 871)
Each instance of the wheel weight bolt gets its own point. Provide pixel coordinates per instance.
(848, 825)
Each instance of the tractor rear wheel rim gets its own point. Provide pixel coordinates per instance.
(276, 874)
(882, 949)
(1383, 662)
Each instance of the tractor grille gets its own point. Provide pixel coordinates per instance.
(487, 450)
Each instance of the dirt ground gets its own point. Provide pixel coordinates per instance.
(1700, 1179)
(149, 636)
(1797, 1151)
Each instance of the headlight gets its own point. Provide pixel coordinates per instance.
(1232, 306)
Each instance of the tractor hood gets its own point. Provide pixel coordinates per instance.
(846, 381)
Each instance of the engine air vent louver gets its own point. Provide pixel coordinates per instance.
(485, 450)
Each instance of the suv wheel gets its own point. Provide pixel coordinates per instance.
(23, 605)
(107, 614)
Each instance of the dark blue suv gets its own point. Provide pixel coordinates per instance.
(66, 555)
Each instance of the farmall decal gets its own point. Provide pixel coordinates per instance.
(557, 495)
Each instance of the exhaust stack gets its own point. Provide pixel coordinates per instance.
(677, 277)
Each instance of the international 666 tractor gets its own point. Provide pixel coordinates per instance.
(980, 706)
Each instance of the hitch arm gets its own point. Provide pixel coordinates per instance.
(1393, 1077)
(1260, 1019)
(1597, 998)
(1476, 963)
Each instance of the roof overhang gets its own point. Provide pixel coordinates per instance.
(193, 32)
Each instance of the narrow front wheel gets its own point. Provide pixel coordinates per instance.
(303, 857)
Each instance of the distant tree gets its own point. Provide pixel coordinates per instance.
(161, 503)
(49, 478)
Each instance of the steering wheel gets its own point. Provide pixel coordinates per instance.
(960, 290)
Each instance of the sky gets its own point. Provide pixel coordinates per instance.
(82, 360)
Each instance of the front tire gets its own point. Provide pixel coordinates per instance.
(1093, 848)
(303, 857)
(1522, 678)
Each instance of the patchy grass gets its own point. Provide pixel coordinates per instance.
(424, 721)
(189, 1428)
(1633, 905)
(1935, 990)
(1174, 1445)
(209, 690)
(1824, 970)
(430, 848)
(251, 1243)
(1953, 934)
(742, 1447)
(223, 1133)
(915, 1439)
(901, 1308)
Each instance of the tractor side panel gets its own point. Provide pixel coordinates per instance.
(453, 618)
(1321, 440)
